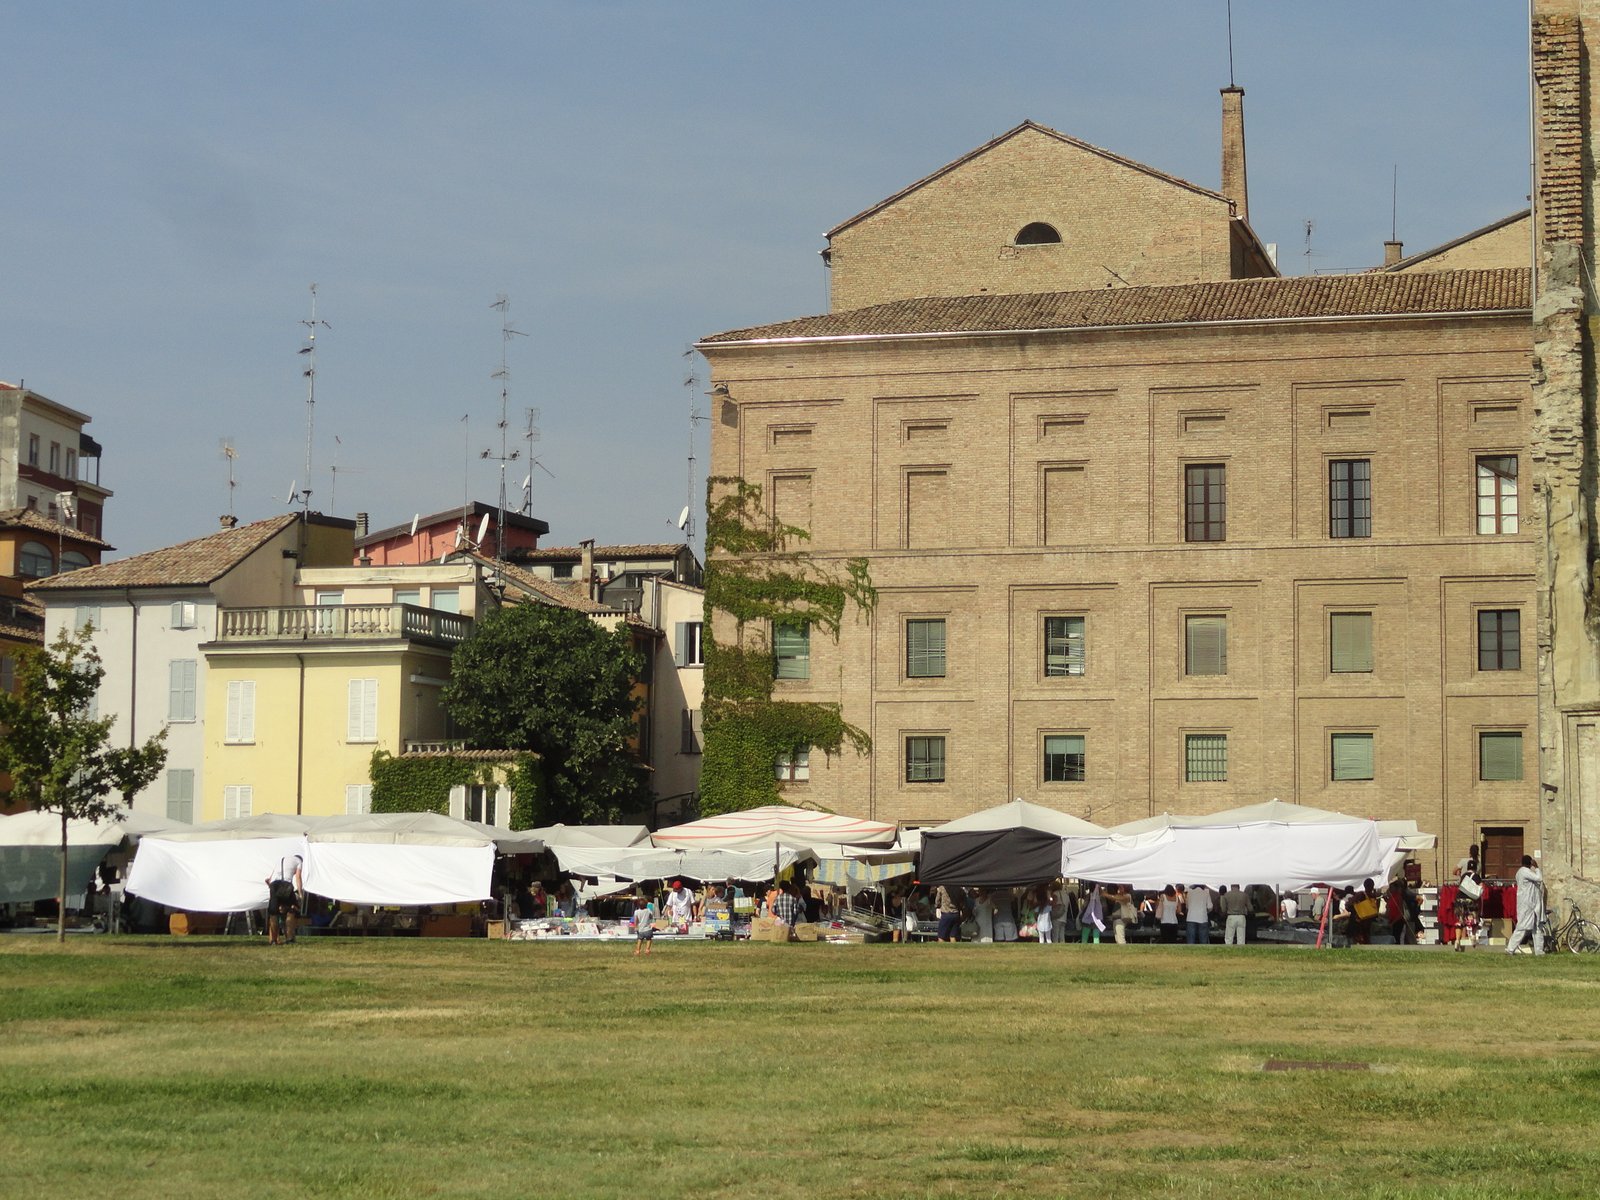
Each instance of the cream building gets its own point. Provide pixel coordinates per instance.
(1172, 547)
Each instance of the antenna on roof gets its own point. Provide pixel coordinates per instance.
(310, 372)
(229, 453)
(415, 517)
(1394, 206)
(531, 437)
(1230, 43)
(685, 520)
(502, 303)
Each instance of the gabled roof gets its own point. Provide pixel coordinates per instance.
(1034, 127)
(575, 553)
(474, 513)
(1501, 290)
(542, 591)
(188, 564)
(1414, 259)
(32, 518)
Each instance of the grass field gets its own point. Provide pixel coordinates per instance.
(159, 1067)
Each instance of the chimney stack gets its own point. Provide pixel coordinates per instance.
(1393, 252)
(361, 525)
(588, 566)
(1234, 184)
(229, 520)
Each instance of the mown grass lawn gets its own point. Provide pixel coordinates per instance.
(160, 1067)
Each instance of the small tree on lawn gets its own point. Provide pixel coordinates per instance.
(59, 757)
(547, 679)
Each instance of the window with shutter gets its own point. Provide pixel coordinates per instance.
(362, 715)
(183, 614)
(791, 651)
(237, 801)
(1351, 755)
(1349, 642)
(925, 649)
(458, 802)
(1500, 757)
(240, 725)
(1497, 493)
(686, 644)
(88, 616)
(1063, 646)
(691, 731)
(1205, 645)
(357, 798)
(180, 795)
(181, 689)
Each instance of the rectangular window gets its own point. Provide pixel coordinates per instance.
(686, 651)
(1499, 639)
(361, 717)
(1497, 493)
(1500, 757)
(88, 615)
(1063, 646)
(1351, 756)
(794, 768)
(1205, 502)
(791, 651)
(1349, 642)
(1205, 650)
(72, 464)
(925, 760)
(33, 452)
(237, 801)
(183, 614)
(411, 596)
(446, 600)
(1205, 757)
(1350, 498)
(692, 738)
(180, 795)
(925, 643)
(240, 727)
(357, 799)
(181, 689)
(1063, 758)
(55, 458)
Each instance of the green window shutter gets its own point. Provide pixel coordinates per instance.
(791, 649)
(1500, 756)
(1352, 756)
(679, 655)
(1350, 642)
(1206, 651)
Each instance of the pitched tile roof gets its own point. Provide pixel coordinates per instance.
(575, 553)
(1035, 127)
(1238, 300)
(1423, 255)
(31, 518)
(564, 595)
(188, 564)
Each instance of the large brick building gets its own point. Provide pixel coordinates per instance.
(1201, 541)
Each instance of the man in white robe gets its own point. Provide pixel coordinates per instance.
(1530, 907)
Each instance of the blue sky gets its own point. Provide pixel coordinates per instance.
(633, 175)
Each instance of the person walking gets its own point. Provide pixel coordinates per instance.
(1530, 907)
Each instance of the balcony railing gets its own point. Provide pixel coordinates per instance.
(342, 622)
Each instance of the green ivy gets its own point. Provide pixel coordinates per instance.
(752, 576)
(422, 784)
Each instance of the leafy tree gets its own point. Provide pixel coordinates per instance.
(550, 680)
(59, 757)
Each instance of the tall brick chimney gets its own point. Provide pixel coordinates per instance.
(1234, 185)
(587, 566)
(1393, 252)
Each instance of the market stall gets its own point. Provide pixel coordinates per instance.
(30, 851)
(1010, 845)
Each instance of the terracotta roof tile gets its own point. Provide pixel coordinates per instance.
(29, 518)
(575, 553)
(188, 564)
(564, 595)
(1238, 300)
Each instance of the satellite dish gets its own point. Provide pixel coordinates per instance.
(294, 490)
(415, 517)
(527, 483)
(483, 529)
(683, 518)
(458, 539)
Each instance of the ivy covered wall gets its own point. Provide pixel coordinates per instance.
(752, 578)
(422, 783)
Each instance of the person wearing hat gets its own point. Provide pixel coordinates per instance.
(680, 904)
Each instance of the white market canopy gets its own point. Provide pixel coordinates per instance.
(771, 824)
(647, 862)
(1284, 845)
(30, 851)
(591, 835)
(1020, 814)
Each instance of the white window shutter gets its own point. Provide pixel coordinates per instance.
(352, 731)
(369, 711)
(501, 816)
(458, 802)
(361, 718)
(247, 800)
(247, 710)
(231, 730)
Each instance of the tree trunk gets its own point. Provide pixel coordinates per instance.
(61, 892)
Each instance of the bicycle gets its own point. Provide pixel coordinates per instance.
(1576, 934)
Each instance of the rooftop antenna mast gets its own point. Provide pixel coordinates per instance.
(532, 437)
(310, 372)
(1230, 43)
(692, 384)
(502, 303)
(1394, 206)
(229, 453)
